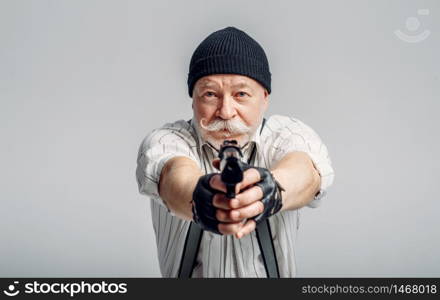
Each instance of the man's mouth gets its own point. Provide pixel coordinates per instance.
(223, 133)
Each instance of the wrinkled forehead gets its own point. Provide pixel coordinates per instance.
(222, 81)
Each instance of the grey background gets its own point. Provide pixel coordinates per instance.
(82, 82)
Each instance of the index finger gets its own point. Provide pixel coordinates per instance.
(217, 183)
(250, 177)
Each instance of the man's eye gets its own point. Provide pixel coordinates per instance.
(210, 94)
(242, 94)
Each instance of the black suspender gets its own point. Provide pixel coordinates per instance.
(190, 250)
(264, 237)
(263, 233)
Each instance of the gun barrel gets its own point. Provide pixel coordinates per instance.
(231, 166)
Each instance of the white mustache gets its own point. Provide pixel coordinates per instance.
(234, 126)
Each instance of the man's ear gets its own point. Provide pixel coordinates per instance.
(266, 99)
(266, 95)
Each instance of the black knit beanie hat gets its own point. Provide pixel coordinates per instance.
(229, 51)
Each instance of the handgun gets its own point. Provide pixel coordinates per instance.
(231, 166)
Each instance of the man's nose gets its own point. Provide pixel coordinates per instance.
(226, 109)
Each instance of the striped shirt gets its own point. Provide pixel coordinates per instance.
(225, 255)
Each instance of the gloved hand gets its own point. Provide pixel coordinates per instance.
(204, 212)
(272, 199)
(202, 206)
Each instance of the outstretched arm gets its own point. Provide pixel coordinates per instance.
(298, 176)
(177, 182)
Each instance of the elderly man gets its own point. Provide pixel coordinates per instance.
(286, 167)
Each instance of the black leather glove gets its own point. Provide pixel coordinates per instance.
(202, 207)
(204, 212)
(271, 188)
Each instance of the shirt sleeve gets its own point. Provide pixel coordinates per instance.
(154, 152)
(297, 136)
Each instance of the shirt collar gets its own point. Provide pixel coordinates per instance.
(254, 140)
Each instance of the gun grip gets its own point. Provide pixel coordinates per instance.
(230, 191)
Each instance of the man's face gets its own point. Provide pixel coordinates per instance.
(228, 106)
